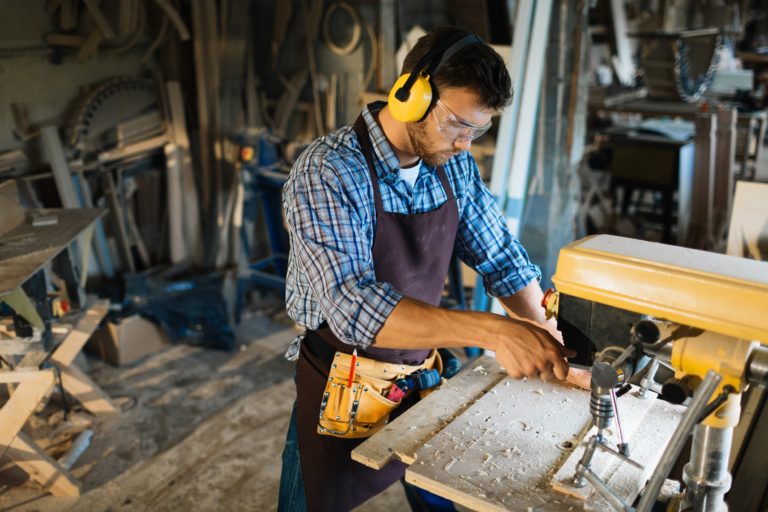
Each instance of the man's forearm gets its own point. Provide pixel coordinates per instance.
(417, 325)
(526, 303)
(524, 347)
(414, 324)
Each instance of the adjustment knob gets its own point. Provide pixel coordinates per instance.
(677, 391)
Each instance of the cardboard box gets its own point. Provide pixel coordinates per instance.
(130, 340)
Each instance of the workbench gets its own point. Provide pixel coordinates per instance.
(489, 442)
(29, 240)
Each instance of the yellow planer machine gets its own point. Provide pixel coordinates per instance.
(622, 302)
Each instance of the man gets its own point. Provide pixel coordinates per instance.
(375, 212)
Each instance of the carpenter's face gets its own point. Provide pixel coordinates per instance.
(454, 121)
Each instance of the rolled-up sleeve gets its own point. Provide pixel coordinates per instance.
(332, 247)
(485, 243)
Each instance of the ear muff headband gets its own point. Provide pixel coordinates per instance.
(411, 96)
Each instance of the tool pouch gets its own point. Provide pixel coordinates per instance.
(361, 409)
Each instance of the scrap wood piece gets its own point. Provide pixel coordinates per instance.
(651, 434)
(90, 45)
(174, 17)
(99, 19)
(23, 129)
(404, 437)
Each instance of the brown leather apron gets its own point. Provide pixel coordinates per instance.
(412, 253)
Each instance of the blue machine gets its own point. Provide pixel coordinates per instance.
(263, 180)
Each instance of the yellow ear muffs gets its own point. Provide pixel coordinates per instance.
(417, 104)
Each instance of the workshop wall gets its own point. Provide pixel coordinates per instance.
(46, 80)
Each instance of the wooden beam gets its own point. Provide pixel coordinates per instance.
(85, 391)
(699, 231)
(33, 387)
(99, 19)
(723, 179)
(41, 467)
(76, 339)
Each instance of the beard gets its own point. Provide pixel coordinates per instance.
(417, 133)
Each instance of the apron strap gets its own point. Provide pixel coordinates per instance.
(361, 129)
(444, 182)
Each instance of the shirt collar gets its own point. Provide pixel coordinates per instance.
(386, 163)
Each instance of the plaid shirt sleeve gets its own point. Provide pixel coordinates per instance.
(485, 243)
(332, 248)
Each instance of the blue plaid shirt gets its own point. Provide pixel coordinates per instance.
(331, 218)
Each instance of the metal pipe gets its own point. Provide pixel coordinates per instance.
(706, 475)
(82, 442)
(675, 446)
(605, 491)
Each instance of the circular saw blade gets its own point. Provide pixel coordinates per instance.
(106, 106)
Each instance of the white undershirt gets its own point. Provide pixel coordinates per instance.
(409, 174)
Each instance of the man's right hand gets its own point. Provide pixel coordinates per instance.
(527, 349)
(524, 347)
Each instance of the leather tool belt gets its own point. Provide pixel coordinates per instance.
(361, 409)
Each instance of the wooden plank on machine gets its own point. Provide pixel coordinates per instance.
(499, 453)
(403, 438)
(647, 425)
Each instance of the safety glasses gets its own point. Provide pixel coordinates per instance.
(453, 128)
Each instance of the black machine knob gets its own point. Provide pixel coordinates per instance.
(677, 391)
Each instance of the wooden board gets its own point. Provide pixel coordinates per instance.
(75, 339)
(648, 425)
(28, 248)
(500, 454)
(13, 212)
(748, 232)
(41, 467)
(401, 439)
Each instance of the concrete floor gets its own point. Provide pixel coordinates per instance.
(201, 430)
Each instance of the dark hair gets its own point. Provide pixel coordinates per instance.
(476, 67)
